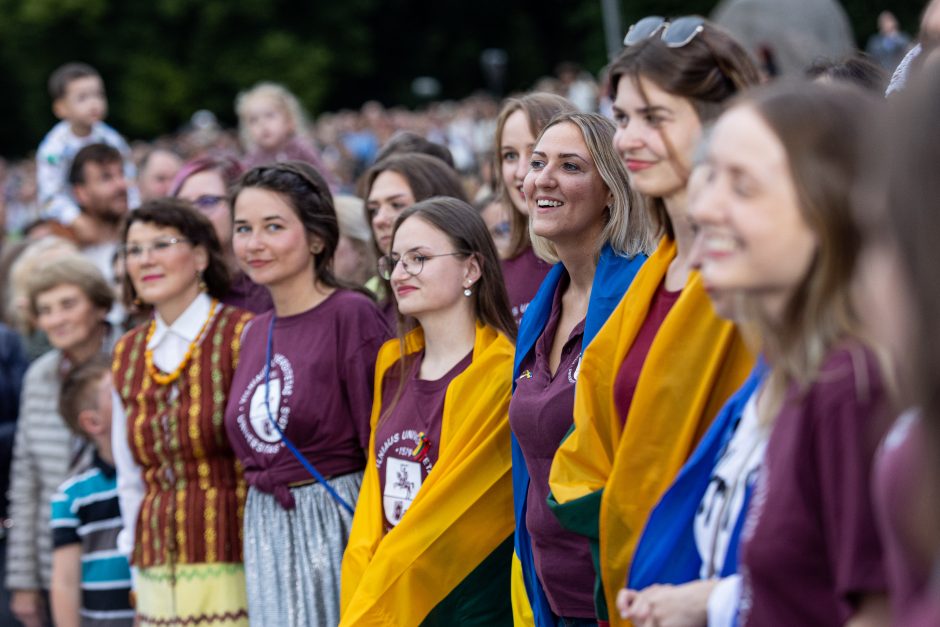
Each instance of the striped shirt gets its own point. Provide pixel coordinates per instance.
(41, 453)
(86, 511)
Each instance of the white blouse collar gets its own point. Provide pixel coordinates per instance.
(187, 326)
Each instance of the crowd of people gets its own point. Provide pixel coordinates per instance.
(659, 353)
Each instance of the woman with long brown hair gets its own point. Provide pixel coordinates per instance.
(520, 121)
(432, 537)
(391, 186)
(778, 225)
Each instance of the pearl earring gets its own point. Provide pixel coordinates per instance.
(467, 292)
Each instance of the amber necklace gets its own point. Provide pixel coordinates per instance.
(166, 379)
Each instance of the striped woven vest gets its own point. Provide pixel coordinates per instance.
(194, 492)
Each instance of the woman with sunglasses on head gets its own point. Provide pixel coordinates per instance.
(205, 182)
(585, 216)
(432, 537)
(179, 484)
(391, 186)
(298, 412)
(664, 363)
(520, 121)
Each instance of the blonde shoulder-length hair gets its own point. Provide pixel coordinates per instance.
(628, 230)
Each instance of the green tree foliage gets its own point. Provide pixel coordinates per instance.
(163, 59)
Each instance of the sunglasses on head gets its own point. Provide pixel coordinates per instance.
(674, 33)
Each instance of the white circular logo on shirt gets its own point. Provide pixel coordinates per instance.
(255, 417)
(260, 414)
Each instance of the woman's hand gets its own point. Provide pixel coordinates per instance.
(666, 605)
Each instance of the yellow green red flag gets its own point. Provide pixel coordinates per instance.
(608, 475)
(456, 535)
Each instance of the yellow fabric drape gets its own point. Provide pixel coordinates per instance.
(696, 362)
(521, 609)
(462, 512)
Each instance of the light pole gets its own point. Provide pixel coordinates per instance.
(613, 30)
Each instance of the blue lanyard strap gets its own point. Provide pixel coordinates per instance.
(290, 445)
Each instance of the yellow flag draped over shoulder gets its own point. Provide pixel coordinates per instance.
(463, 511)
(696, 362)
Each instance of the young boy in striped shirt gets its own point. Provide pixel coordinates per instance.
(91, 581)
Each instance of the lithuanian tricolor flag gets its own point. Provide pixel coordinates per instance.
(448, 561)
(606, 478)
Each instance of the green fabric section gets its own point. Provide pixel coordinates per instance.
(482, 598)
(600, 601)
(188, 573)
(582, 516)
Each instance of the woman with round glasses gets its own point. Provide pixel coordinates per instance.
(432, 536)
(520, 121)
(205, 182)
(657, 373)
(179, 484)
(585, 216)
(298, 411)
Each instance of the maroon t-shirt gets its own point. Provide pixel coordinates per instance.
(523, 275)
(540, 414)
(408, 438)
(926, 613)
(810, 547)
(248, 295)
(632, 366)
(321, 385)
(900, 467)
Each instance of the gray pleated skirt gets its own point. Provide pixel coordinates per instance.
(293, 557)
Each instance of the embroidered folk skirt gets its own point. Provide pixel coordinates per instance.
(192, 594)
(293, 557)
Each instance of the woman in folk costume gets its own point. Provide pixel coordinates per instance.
(431, 542)
(586, 218)
(179, 484)
(664, 363)
(298, 412)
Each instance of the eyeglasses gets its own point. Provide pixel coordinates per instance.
(207, 202)
(412, 262)
(157, 247)
(675, 33)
